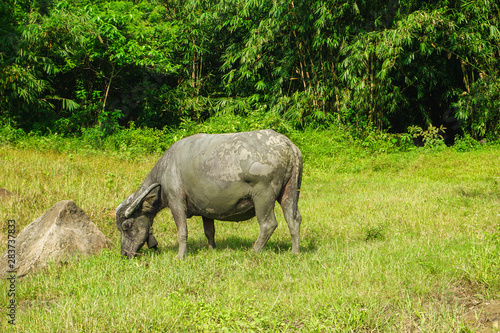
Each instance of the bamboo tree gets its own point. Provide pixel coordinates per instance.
(367, 64)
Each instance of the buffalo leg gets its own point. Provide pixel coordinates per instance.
(208, 225)
(182, 232)
(152, 242)
(293, 219)
(289, 204)
(264, 210)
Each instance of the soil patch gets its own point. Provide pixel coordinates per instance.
(483, 316)
(479, 315)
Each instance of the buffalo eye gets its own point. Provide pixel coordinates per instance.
(126, 225)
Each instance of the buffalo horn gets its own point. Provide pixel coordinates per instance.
(131, 209)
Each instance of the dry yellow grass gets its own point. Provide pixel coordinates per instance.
(391, 242)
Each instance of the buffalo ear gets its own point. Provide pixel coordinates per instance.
(150, 200)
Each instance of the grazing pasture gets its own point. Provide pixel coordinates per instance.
(393, 242)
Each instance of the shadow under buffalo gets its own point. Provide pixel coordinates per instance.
(237, 244)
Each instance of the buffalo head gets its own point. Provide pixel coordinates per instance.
(134, 220)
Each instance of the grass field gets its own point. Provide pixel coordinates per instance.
(390, 242)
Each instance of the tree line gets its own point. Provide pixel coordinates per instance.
(68, 65)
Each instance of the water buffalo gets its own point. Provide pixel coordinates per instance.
(227, 177)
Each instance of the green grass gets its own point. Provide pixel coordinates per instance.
(390, 242)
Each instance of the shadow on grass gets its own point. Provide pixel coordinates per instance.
(237, 244)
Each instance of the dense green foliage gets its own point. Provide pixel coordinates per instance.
(71, 65)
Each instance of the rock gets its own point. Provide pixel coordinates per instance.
(62, 231)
